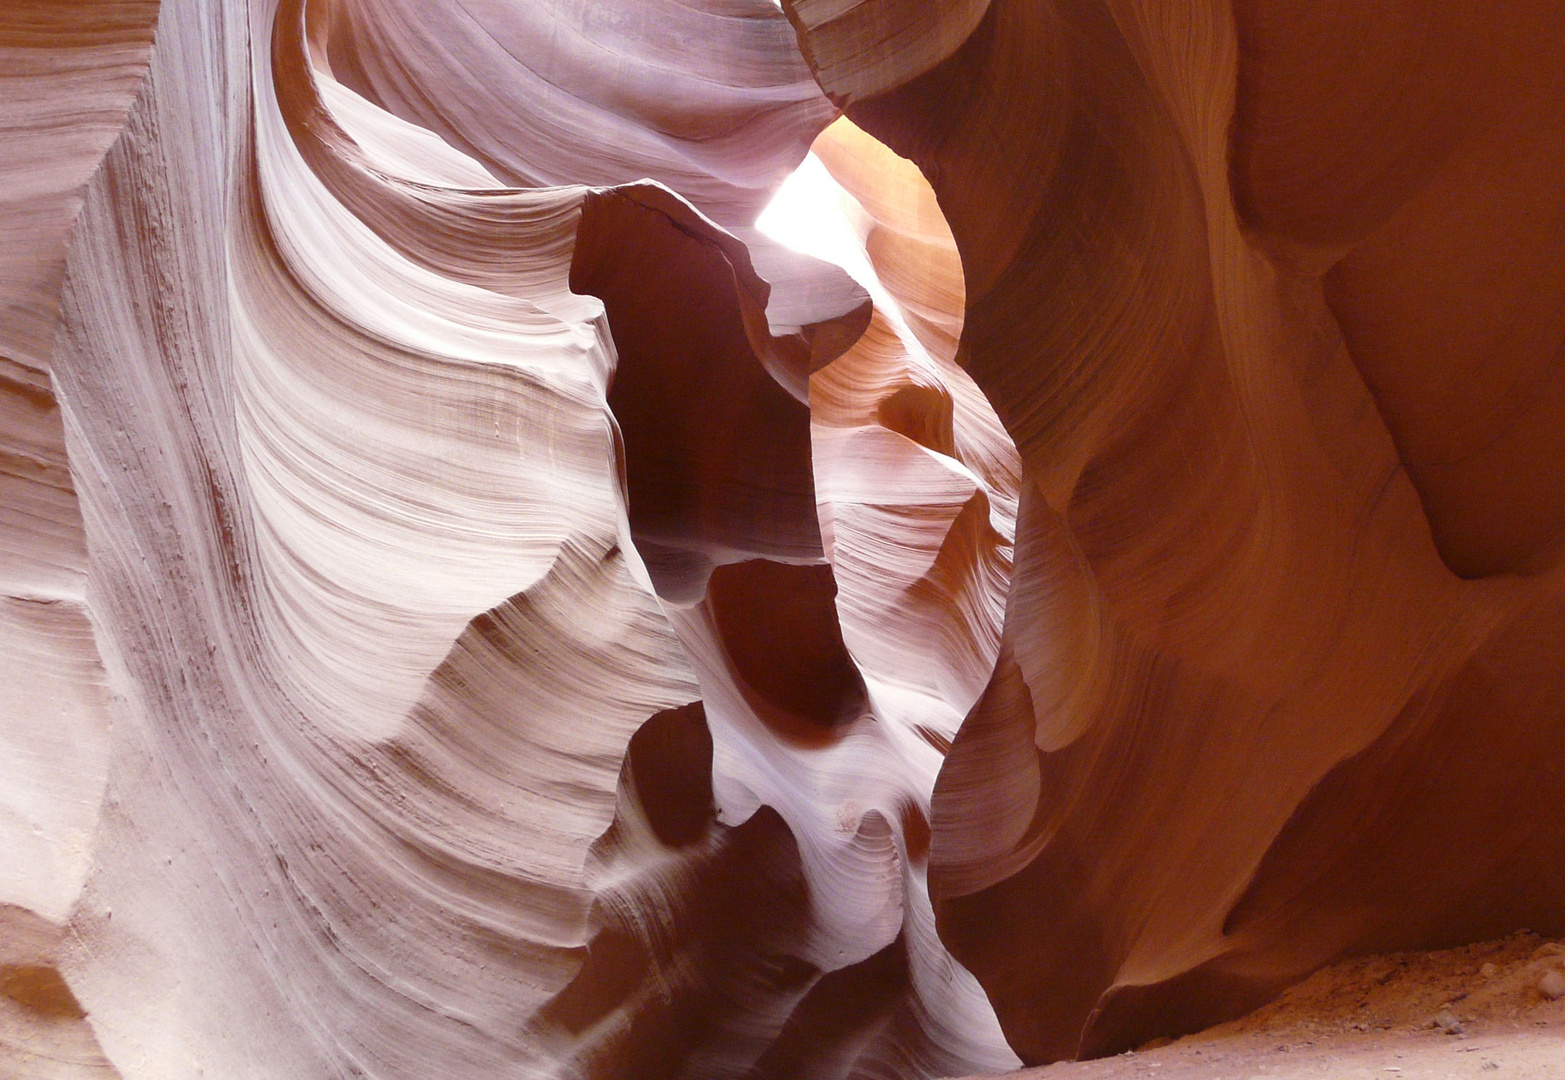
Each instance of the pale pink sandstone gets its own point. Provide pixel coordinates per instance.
(520, 618)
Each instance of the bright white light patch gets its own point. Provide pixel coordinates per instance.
(814, 215)
(811, 213)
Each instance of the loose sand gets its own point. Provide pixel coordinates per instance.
(1379, 1018)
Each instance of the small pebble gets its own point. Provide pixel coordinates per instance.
(1447, 1022)
(1552, 986)
(1488, 971)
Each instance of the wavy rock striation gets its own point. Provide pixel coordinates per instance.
(479, 597)
(473, 696)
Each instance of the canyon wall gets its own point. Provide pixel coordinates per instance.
(1268, 297)
(481, 598)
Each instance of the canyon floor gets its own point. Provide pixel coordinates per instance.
(1379, 1017)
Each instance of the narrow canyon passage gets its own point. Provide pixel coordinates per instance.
(840, 539)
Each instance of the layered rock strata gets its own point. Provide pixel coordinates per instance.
(473, 697)
(481, 598)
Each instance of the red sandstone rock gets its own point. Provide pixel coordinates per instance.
(476, 602)
(1247, 716)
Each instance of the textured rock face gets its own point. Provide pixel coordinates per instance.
(1266, 296)
(477, 601)
(472, 696)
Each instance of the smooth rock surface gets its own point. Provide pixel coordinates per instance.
(530, 544)
(1279, 675)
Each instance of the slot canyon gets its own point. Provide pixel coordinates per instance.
(826, 539)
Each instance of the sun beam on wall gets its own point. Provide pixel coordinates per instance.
(815, 215)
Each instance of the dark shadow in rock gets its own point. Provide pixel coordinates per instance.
(778, 625)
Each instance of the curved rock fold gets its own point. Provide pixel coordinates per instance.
(712, 538)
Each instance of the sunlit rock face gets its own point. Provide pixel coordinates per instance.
(530, 545)
(425, 657)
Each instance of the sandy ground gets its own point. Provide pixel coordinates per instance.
(1379, 1017)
